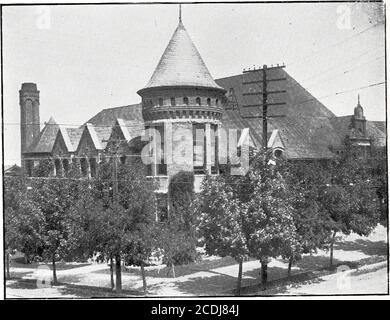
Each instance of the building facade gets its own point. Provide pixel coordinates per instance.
(191, 115)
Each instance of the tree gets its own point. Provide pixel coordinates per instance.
(120, 224)
(348, 198)
(221, 223)
(22, 220)
(269, 220)
(52, 198)
(176, 233)
(311, 224)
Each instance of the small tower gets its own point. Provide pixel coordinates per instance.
(29, 115)
(358, 120)
(183, 102)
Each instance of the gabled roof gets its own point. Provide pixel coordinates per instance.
(45, 141)
(12, 170)
(130, 128)
(74, 135)
(99, 135)
(181, 64)
(70, 136)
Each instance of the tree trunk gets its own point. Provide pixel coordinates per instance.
(54, 271)
(264, 274)
(290, 262)
(8, 261)
(173, 270)
(112, 273)
(239, 278)
(143, 277)
(331, 250)
(118, 273)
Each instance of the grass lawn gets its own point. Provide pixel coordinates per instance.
(212, 276)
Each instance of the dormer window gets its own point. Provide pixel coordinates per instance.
(160, 102)
(198, 101)
(173, 101)
(185, 100)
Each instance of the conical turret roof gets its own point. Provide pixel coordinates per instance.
(181, 64)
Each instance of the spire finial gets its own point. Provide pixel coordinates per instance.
(179, 12)
(358, 98)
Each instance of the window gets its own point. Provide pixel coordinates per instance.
(173, 101)
(58, 166)
(29, 167)
(93, 166)
(198, 101)
(199, 145)
(158, 165)
(65, 165)
(122, 159)
(160, 102)
(209, 102)
(214, 148)
(161, 168)
(185, 100)
(84, 166)
(217, 102)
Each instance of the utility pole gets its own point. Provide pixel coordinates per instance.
(265, 107)
(264, 93)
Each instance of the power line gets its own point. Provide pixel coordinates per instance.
(315, 53)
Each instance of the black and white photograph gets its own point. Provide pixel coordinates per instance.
(231, 150)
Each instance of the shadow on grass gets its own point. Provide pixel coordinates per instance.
(66, 289)
(180, 270)
(214, 284)
(370, 248)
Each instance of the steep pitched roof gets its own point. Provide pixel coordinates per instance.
(299, 102)
(181, 64)
(102, 134)
(12, 170)
(45, 141)
(131, 128)
(74, 135)
(108, 117)
(303, 122)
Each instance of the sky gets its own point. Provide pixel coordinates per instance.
(86, 58)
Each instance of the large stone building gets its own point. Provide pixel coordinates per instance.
(187, 106)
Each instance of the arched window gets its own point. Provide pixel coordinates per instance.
(58, 166)
(65, 165)
(198, 101)
(84, 166)
(160, 102)
(173, 101)
(93, 167)
(217, 102)
(185, 100)
(209, 102)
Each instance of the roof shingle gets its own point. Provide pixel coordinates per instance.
(181, 64)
